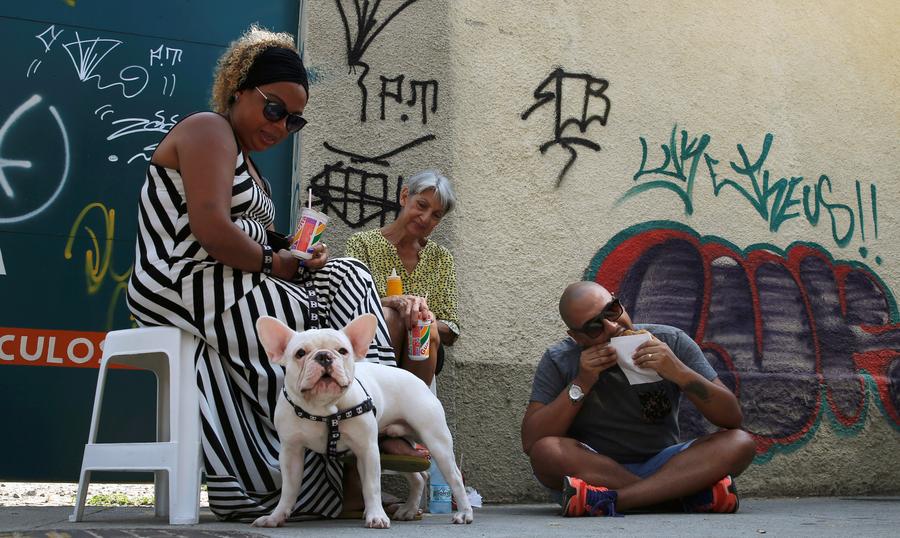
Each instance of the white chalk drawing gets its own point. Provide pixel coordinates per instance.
(2, 267)
(90, 57)
(166, 87)
(171, 55)
(87, 54)
(48, 36)
(105, 111)
(32, 69)
(143, 125)
(5, 185)
(146, 154)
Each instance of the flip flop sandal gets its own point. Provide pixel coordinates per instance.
(396, 462)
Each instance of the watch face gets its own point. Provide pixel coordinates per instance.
(575, 392)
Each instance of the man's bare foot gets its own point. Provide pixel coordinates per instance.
(400, 447)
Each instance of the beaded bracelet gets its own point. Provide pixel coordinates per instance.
(267, 259)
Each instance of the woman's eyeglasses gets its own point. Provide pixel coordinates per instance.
(594, 327)
(275, 112)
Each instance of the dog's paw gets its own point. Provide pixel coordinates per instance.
(407, 512)
(463, 516)
(377, 519)
(271, 520)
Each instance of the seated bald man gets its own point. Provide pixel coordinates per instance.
(602, 445)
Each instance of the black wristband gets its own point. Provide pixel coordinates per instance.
(267, 258)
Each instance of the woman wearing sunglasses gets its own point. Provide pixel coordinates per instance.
(204, 264)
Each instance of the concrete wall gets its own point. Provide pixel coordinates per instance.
(729, 169)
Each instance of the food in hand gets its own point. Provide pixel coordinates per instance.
(629, 332)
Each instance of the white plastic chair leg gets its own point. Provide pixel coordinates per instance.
(184, 482)
(175, 456)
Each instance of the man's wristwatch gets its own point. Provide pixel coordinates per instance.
(575, 393)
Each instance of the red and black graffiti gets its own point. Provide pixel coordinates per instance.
(795, 334)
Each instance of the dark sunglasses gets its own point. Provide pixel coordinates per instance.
(611, 312)
(275, 112)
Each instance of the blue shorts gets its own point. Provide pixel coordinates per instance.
(642, 470)
(652, 465)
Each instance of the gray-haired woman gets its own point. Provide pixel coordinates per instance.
(424, 267)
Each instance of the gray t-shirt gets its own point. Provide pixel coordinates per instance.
(628, 423)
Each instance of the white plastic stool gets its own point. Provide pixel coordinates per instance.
(175, 456)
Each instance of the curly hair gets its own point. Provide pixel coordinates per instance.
(233, 65)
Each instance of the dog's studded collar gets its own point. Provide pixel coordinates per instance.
(332, 421)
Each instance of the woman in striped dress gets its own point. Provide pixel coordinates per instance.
(203, 264)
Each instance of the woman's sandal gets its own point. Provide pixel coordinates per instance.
(398, 462)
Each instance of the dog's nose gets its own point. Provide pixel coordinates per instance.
(323, 358)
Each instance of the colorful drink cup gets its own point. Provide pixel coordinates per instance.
(420, 340)
(310, 230)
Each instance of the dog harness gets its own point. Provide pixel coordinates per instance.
(332, 421)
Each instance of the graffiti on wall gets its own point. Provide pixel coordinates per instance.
(799, 336)
(592, 106)
(15, 205)
(421, 94)
(98, 255)
(111, 96)
(358, 186)
(361, 193)
(89, 58)
(775, 201)
(420, 91)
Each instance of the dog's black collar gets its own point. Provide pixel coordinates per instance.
(331, 421)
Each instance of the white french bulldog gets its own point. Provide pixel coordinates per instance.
(324, 374)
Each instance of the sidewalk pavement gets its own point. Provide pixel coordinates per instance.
(819, 517)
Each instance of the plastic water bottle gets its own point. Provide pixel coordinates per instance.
(439, 494)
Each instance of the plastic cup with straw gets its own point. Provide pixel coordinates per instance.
(310, 230)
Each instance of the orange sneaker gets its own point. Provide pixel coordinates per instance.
(721, 498)
(583, 499)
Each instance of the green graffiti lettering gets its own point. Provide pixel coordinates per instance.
(776, 202)
(841, 240)
(873, 193)
(784, 200)
(760, 196)
(812, 216)
(672, 169)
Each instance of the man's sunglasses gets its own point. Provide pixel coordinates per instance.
(611, 312)
(275, 112)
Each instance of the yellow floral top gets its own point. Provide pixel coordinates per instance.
(435, 273)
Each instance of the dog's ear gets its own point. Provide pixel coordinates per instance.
(360, 331)
(274, 336)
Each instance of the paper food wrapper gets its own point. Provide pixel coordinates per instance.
(625, 346)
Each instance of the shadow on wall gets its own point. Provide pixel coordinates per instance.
(797, 336)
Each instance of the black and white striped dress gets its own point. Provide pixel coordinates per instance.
(175, 282)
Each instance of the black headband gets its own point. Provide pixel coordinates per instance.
(276, 64)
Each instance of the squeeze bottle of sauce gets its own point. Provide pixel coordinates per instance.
(394, 284)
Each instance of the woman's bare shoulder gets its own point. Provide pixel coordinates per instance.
(204, 122)
(199, 130)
